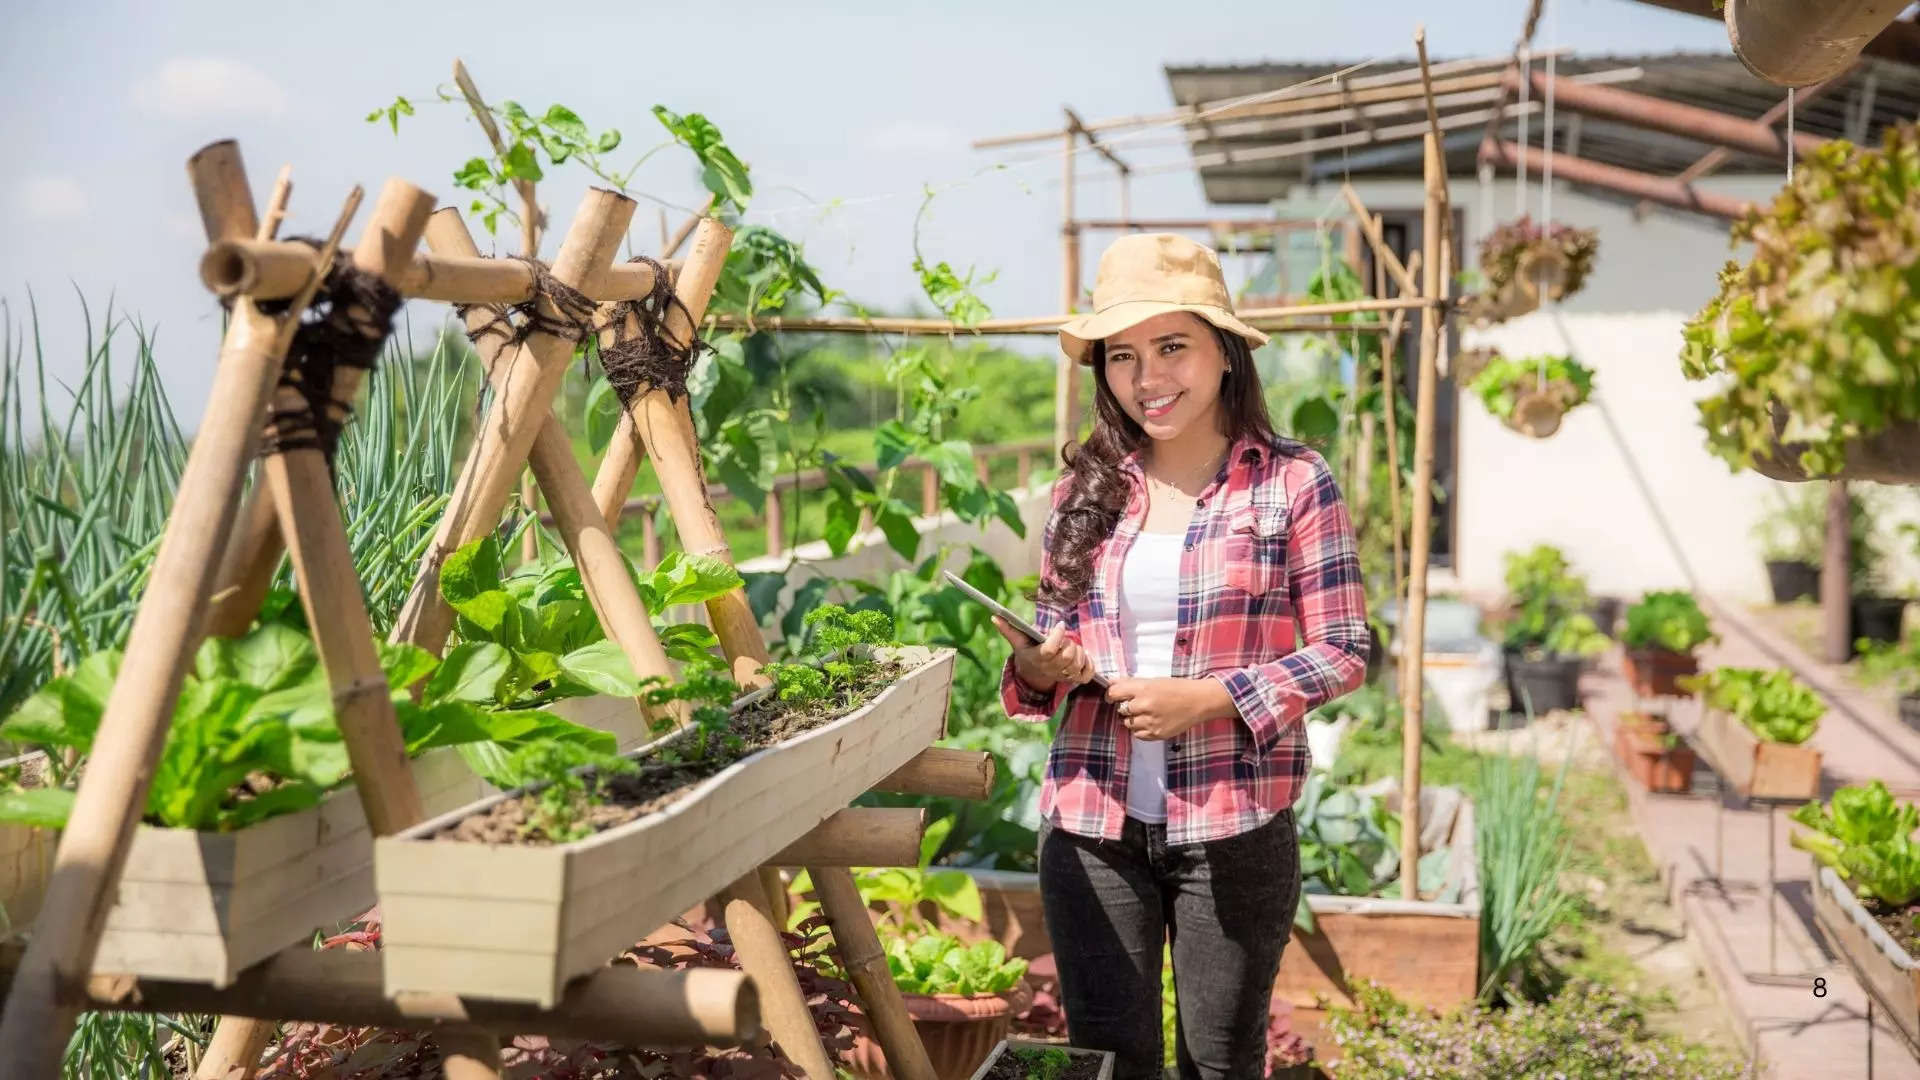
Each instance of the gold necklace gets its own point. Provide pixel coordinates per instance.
(1214, 464)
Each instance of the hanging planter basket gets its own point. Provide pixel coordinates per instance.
(1542, 272)
(1795, 43)
(1531, 395)
(1537, 264)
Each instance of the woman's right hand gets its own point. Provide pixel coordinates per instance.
(1055, 660)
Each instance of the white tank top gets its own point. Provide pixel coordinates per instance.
(1149, 618)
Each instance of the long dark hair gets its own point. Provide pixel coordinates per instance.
(1097, 490)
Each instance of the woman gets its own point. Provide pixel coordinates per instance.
(1185, 540)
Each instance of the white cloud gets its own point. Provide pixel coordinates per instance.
(52, 198)
(186, 87)
(911, 136)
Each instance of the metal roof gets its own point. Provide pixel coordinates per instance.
(1889, 92)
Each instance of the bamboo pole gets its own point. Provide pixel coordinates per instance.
(1370, 225)
(533, 222)
(219, 180)
(298, 486)
(1390, 386)
(867, 969)
(860, 836)
(275, 269)
(589, 540)
(1413, 636)
(1066, 388)
(1275, 319)
(468, 1053)
(940, 771)
(662, 427)
(235, 1049)
(506, 438)
(672, 244)
(763, 956)
(160, 647)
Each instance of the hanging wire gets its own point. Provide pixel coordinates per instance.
(1546, 167)
(1789, 135)
(1520, 159)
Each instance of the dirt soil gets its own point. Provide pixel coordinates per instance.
(1026, 1065)
(659, 784)
(1899, 923)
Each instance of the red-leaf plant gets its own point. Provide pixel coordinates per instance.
(310, 1051)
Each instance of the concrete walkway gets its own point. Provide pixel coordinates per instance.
(1765, 975)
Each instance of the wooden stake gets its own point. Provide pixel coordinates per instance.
(159, 650)
(861, 836)
(763, 956)
(533, 374)
(867, 970)
(943, 772)
(589, 540)
(1413, 632)
(277, 204)
(662, 428)
(468, 1053)
(1066, 393)
(1836, 571)
(234, 1052)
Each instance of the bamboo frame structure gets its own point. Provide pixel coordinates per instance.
(167, 628)
(1278, 320)
(277, 269)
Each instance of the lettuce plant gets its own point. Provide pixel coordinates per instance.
(1505, 379)
(1772, 703)
(1821, 324)
(253, 733)
(1549, 604)
(1501, 251)
(1667, 619)
(930, 962)
(530, 637)
(1866, 837)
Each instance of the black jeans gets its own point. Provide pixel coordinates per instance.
(1226, 906)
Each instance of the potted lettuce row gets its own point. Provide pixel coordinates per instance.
(250, 840)
(591, 852)
(1531, 394)
(1753, 726)
(961, 996)
(1663, 630)
(1866, 896)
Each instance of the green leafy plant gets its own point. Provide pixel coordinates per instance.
(571, 778)
(1866, 837)
(1897, 663)
(1795, 530)
(1523, 844)
(253, 733)
(1048, 1064)
(1820, 324)
(834, 647)
(1505, 379)
(1667, 619)
(907, 891)
(1549, 602)
(930, 962)
(1350, 846)
(530, 637)
(1773, 704)
(1586, 1032)
(1502, 249)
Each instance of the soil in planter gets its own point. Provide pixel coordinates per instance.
(659, 784)
(1032, 1065)
(1898, 923)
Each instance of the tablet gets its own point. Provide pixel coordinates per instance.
(1004, 612)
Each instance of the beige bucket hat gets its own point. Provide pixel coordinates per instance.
(1146, 274)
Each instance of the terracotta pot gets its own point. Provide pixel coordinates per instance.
(1658, 768)
(958, 1032)
(1643, 722)
(1656, 672)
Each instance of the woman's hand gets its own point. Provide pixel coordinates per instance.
(1156, 709)
(1055, 660)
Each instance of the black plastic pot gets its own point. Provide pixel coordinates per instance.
(1605, 613)
(1910, 710)
(1376, 653)
(1876, 618)
(1793, 580)
(1542, 685)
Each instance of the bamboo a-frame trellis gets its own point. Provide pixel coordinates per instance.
(216, 558)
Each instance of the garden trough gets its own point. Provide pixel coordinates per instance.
(1104, 1057)
(1881, 965)
(1752, 767)
(516, 923)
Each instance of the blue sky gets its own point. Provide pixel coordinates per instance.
(865, 103)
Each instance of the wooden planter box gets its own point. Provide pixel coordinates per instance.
(1876, 959)
(517, 923)
(1767, 770)
(1661, 769)
(1427, 953)
(1106, 1057)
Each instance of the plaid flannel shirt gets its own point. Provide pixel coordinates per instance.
(1270, 543)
